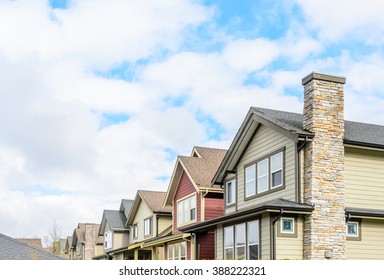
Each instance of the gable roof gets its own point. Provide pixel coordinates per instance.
(12, 249)
(153, 199)
(199, 167)
(291, 125)
(114, 218)
(125, 206)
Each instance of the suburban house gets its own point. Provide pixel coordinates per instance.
(69, 252)
(193, 199)
(147, 219)
(86, 242)
(302, 186)
(115, 233)
(24, 249)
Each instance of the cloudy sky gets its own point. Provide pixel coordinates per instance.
(98, 97)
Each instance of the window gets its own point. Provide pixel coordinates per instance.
(230, 194)
(242, 241)
(253, 240)
(135, 234)
(287, 225)
(250, 180)
(177, 251)
(186, 210)
(277, 170)
(264, 175)
(228, 243)
(353, 230)
(148, 226)
(108, 240)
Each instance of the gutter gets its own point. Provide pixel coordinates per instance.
(273, 249)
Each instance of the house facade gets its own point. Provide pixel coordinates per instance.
(302, 186)
(148, 219)
(192, 199)
(86, 243)
(115, 233)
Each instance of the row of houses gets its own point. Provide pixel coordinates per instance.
(290, 186)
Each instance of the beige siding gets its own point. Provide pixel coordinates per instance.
(265, 142)
(120, 240)
(164, 223)
(291, 248)
(265, 237)
(219, 242)
(142, 213)
(364, 178)
(371, 245)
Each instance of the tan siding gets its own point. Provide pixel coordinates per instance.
(265, 142)
(371, 245)
(364, 178)
(291, 248)
(219, 242)
(164, 222)
(265, 237)
(120, 240)
(143, 212)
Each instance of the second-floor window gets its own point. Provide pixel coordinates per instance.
(108, 240)
(148, 226)
(230, 192)
(264, 175)
(134, 230)
(186, 210)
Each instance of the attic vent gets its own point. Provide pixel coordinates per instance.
(195, 154)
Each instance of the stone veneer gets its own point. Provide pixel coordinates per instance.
(324, 229)
(90, 241)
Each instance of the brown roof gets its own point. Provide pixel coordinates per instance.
(33, 242)
(203, 168)
(155, 200)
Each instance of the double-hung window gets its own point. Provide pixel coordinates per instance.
(264, 175)
(241, 241)
(186, 210)
(177, 251)
(148, 226)
(135, 233)
(230, 192)
(108, 240)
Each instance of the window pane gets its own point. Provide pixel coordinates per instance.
(228, 237)
(277, 178)
(177, 250)
(193, 201)
(250, 179)
(240, 253)
(253, 232)
(193, 208)
(253, 252)
(183, 251)
(193, 214)
(231, 190)
(262, 184)
(287, 225)
(262, 168)
(240, 242)
(352, 229)
(186, 211)
(277, 162)
(170, 252)
(228, 254)
(180, 212)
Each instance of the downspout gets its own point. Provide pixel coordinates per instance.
(299, 169)
(157, 224)
(273, 253)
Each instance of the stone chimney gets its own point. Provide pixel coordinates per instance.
(324, 229)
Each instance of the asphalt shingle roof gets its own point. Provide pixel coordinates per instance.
(115, 219)
(12, 249)
(355, 132)
(155, 200)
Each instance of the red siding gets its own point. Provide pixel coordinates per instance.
(214, 206)
(206, 245)
(185, 188)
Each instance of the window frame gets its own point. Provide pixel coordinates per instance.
(269, 175)
(176, 249)
(280, 229)
(233, 192)
(186, 208)
(234, 245)
(108, 237)
(358, 225)
(135, 231)
(148, 229)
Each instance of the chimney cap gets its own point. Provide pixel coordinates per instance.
(323, 77)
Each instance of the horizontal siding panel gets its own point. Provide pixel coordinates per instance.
(364, 178)
(265, 237)
(291, 248)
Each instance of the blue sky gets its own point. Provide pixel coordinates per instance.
(99, 97)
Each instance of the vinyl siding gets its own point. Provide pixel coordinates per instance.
(120, 240)
(364, 178)
(265, 237)
(291, 248)
(164, 223)
(371, 245)
(206, 246)
(219, 242)
(214, 206)
(142, 213)
(184, 189)
(265, 142)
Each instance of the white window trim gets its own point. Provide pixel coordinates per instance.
(186, 201)
(357, 229)
(233, 192)
(277, 170)
(172, 248)
(108, 240)
(250, 180)
(135, 231)
(262, 176)
(148, 226)
(281, 225)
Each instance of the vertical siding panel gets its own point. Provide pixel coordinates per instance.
(206, 246)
